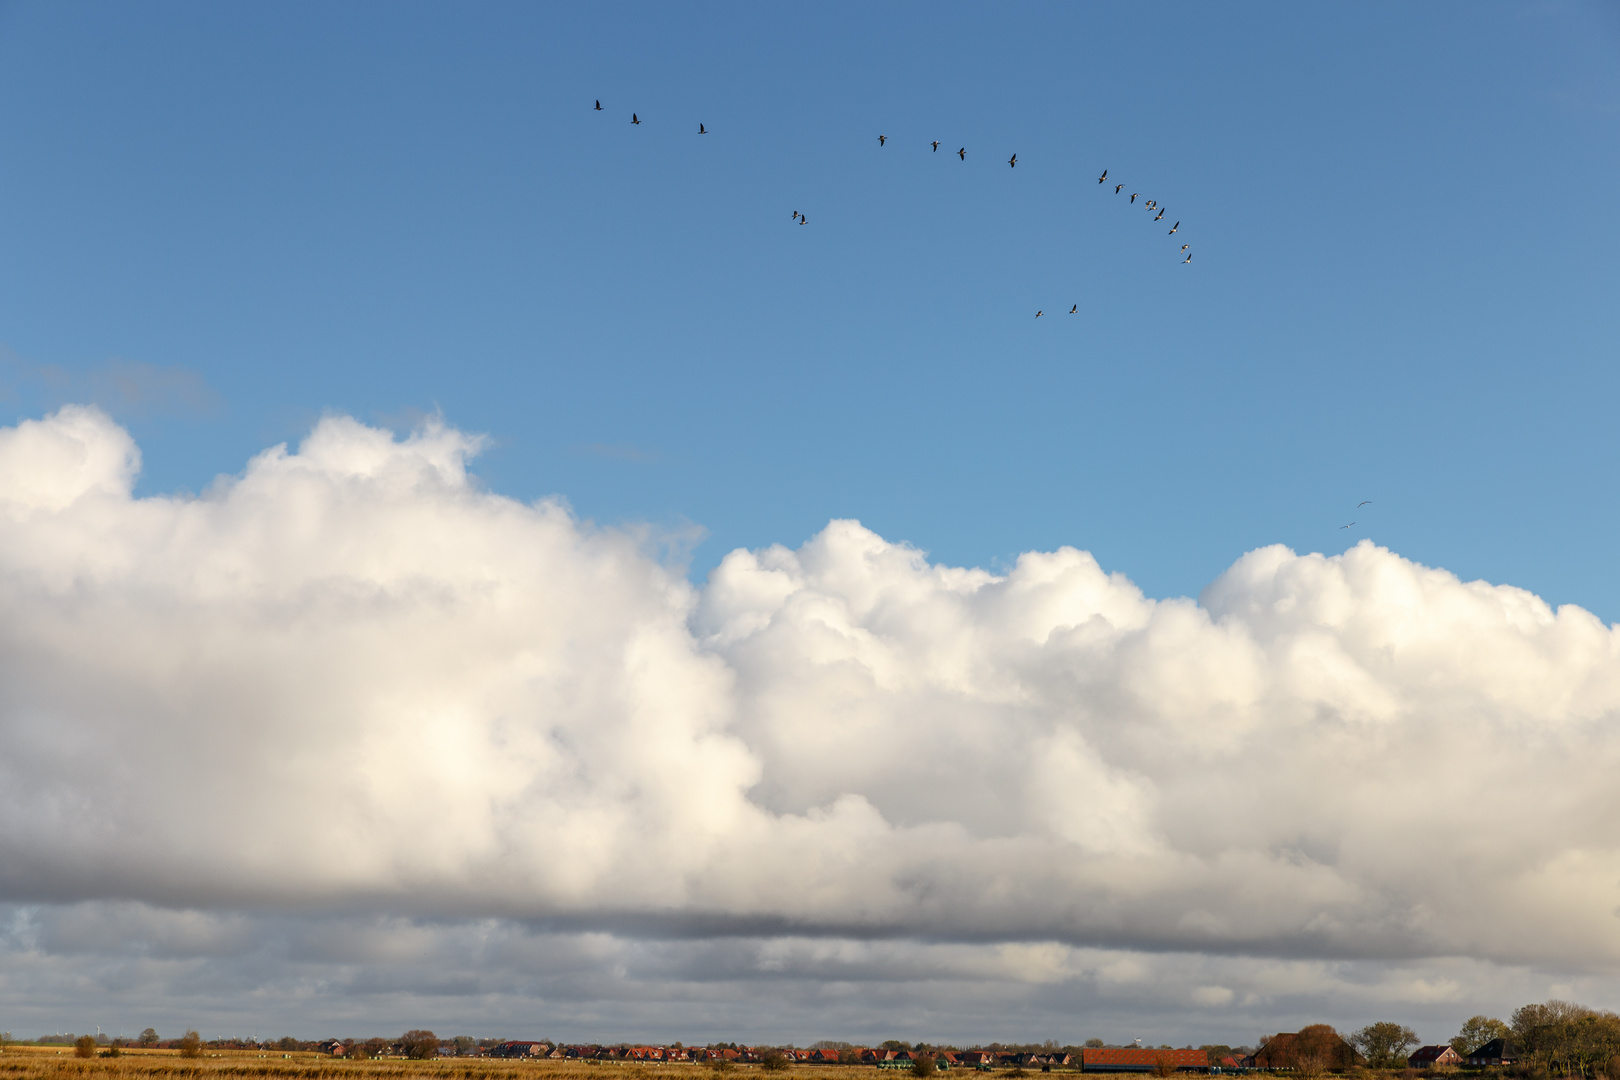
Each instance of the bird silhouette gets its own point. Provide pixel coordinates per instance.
(1134, 194)
(1103, 177)
(936, 146)
(1363, 502)
(962, 153)
(1188, 259)
(1117, 188)
(795, 215)
(634, 119)
(1161, 214)
(1038, 314)
(599, 105)
(1012, 162)
(1346, 526)
(1074, 309)
(702, 130)
(882, 139)
(1150, 204)
(1173, 229)
(803, 219)
(1184, 247)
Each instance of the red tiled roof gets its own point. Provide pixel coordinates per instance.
(1183, 1059)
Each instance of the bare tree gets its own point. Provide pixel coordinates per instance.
(190, 1045)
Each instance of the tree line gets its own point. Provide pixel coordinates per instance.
(1549, 1039)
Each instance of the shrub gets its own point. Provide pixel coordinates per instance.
(84, 1046)
(191, 1045)
(774, 1061)
(922, 1065)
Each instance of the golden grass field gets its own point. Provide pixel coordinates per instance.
(55, 1063)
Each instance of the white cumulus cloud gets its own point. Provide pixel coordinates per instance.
(349, 679)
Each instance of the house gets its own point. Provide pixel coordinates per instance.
(516, 1048)
(1495, 1052)
(334, 1047)
(1140, 1059)
(1429, 1057)
(1317, 1044)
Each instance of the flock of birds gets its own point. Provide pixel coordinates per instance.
(1150, 205)
(883, 140)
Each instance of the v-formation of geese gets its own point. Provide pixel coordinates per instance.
(1012, 162)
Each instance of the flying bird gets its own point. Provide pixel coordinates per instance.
(1150, 204)
(598, 104)
(702, 130)
(1012, 162)
(1188, 259)
(1103, 177)
(1184, 247)
(803, 219)
(962, 153)
(1117, 188)
(795, 215)
(1363, 502)
(1038, 314)
(1173, 229)
(634, 119)
(882, 139)
(1161, 214)
(1346, 526)
(1074, 309)
(936, 146)
(1134, 194)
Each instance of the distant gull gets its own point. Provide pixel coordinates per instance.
(1363, 502)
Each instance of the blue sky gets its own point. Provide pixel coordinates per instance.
(1402, 287)
(232, 226)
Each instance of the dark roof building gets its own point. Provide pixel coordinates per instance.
(1495, 1052)
(1317, 1044)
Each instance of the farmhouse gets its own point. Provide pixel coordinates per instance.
(1428, 1057)
(1495, 1052)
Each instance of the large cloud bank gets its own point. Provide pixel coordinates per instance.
(351, 680)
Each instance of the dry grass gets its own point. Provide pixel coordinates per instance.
(51, 1063)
